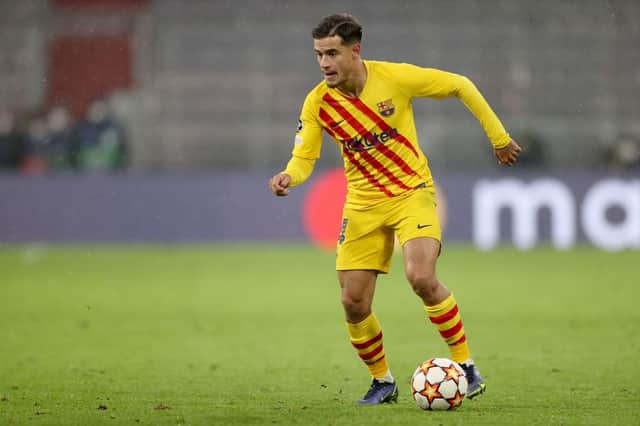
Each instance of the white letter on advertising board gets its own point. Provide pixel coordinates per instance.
(602, 232)
(524, 202)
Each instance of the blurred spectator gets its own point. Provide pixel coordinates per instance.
(99, 141)
(59, 138)
(11, 142)
(48, 142)
(625, 153)
(34, 159)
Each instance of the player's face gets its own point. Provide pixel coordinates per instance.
(337, 61)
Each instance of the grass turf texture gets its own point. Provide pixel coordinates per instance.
(239, 334)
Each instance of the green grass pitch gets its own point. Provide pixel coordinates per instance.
(253, 334)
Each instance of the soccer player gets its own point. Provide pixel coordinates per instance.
(366, 107)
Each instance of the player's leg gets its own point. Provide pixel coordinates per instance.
(419, 233)
(420, 256)
(365, 333)
(364, 250)
(358, 288)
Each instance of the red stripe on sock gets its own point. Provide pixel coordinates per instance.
(369, 362)
(368, 342)
(371, 354)
(446, 316)
(460, 340)
(452, 331)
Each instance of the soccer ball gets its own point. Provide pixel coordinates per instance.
(439, 384)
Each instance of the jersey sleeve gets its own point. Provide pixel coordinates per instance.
(308, 138)
(429, 82)
(307, 143)
(299, 169)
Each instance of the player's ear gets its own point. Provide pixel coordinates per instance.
(355, 49)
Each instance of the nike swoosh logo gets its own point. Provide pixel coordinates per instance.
(336, 123)
(423, 226)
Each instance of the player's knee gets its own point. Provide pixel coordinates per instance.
(352, 303)
(424, 283)
(355, 307)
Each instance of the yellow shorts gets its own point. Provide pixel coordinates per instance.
(366, 238)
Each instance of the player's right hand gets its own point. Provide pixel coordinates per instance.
(279, 184)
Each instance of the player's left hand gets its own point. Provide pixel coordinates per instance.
(508, 155)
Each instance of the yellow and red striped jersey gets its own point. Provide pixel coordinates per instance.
(376, 132)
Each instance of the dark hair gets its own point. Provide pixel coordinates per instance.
(342, 24)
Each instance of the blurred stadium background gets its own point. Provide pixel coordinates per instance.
(199, 100)
(161, 121)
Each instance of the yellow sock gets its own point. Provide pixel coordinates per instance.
(446, 318)
(366, 337)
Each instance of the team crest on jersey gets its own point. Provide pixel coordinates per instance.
(386, 108)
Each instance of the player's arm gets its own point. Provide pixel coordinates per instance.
(430, 82)
(297, 171)
(306, 150)
(505, 149)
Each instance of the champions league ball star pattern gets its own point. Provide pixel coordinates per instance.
(439, 384)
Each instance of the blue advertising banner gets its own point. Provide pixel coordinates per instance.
(520, 209)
